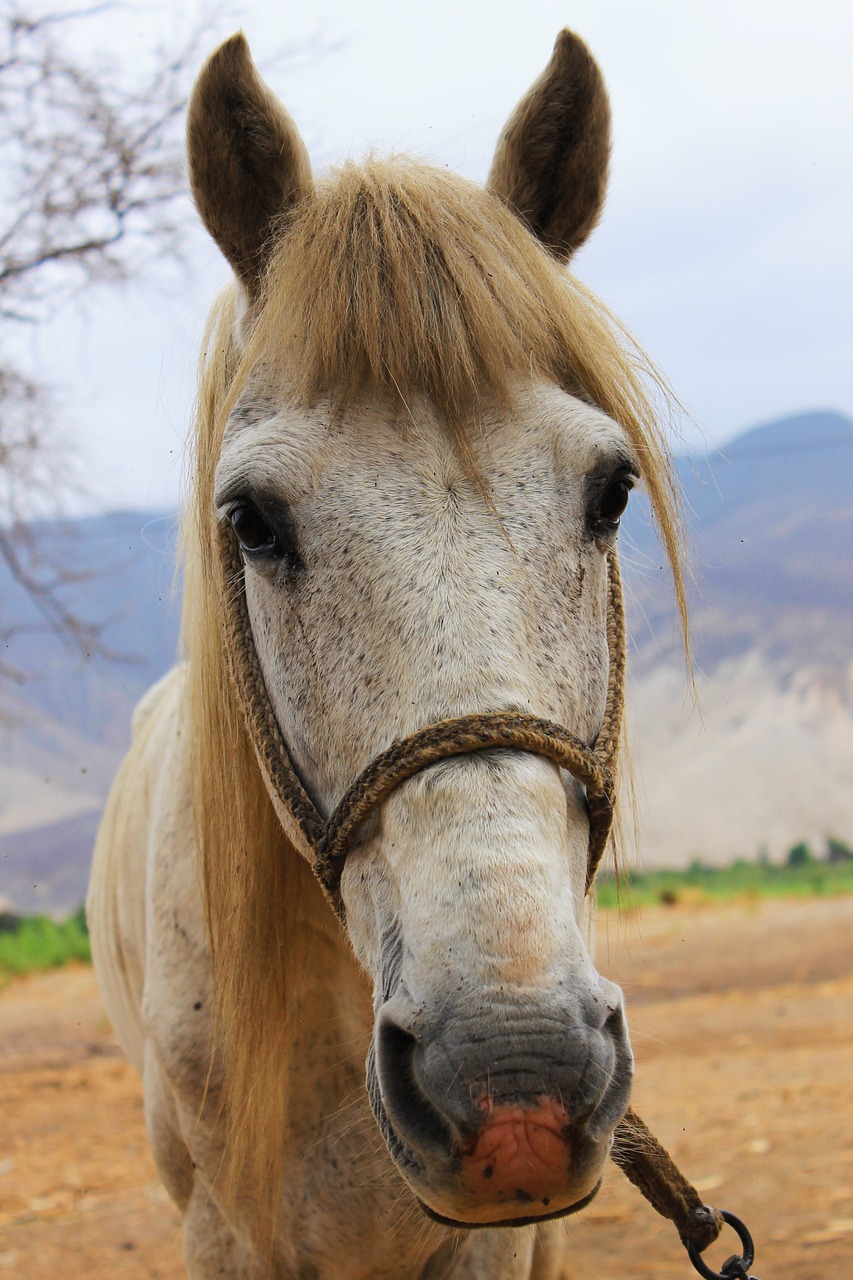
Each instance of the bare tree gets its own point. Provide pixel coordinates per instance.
(92, 179)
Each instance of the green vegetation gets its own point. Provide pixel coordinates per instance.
(838, 850)
(28, 943)
(801, 875)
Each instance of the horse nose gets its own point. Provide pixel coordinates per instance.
(501, 1079)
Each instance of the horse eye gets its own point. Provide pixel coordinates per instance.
(256, 536)
(612, 503)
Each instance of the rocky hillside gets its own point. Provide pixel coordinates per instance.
(766, 759)
(771, 527)
(762, 755)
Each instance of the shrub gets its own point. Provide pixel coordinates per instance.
(838, 850)
(41, 943)
(800, 855)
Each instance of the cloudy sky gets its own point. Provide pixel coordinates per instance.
(725, 244)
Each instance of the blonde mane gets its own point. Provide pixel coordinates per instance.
(393, 280)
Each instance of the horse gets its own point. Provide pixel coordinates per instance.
(415, 437)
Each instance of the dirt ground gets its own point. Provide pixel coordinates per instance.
(741, 1023)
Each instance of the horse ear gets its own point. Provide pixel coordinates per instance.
(551, 162)
(248, 165)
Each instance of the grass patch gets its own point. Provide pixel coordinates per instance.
(742, 879)
(33, 943)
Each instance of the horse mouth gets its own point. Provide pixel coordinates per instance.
(522, 1221)
(415, 1170)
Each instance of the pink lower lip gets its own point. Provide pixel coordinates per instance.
(519, 1154)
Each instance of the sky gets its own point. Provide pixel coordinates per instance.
(725, 244)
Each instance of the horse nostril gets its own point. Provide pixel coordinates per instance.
(407, 1105)
(607, 1014)
(614, 1024)
(396, 1045)
(613, 1021)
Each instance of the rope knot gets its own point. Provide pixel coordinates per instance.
(701, 1227)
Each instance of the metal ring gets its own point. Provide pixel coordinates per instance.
(744, 1262)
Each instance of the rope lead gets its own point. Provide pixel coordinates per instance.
(649, 1166)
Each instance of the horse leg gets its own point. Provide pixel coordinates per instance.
(211, 1250)
(494, 1255)
(210, 1247)
(535, 1254)
(171, 1156)
(549, 1252)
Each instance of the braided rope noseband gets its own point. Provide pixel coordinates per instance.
(325, 843)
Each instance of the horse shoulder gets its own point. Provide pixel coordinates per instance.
(117, 903)
(147, 929)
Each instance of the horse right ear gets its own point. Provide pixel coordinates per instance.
(551, 162)
(248, 165)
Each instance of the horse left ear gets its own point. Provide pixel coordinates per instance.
(248, 165)
(552, 159)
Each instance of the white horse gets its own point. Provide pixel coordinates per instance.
(416, 435)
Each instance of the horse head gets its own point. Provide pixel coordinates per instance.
(424, 435)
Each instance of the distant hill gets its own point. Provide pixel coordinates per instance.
(769, 762)
(771, 527)
(122, 569)
(64, 729)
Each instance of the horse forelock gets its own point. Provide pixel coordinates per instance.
(396, 280)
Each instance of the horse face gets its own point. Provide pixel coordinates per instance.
(390, 585)
(393, 580)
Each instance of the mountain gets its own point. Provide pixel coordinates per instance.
(66, 724)
(765, 758)
(119, 573)
(761, 755)
(771, 532)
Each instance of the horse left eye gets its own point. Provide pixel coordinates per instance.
(256, 536)
(612, 503)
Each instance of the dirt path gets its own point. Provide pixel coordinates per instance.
(742, 1023)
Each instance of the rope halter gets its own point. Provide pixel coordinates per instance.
(326, 842)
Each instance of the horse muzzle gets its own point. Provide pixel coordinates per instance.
(501, 1118)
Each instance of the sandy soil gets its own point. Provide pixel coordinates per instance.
(742, 1027)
